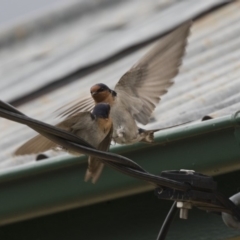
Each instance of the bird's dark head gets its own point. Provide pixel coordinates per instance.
(100, 92)
(101, 110)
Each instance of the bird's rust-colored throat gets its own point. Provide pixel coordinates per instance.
(104, 96)
(105, 124)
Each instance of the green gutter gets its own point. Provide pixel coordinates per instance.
(57, 184)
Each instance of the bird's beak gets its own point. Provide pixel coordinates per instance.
(93, 93)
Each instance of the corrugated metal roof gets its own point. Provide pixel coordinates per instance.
(44, 52)
(207, 84)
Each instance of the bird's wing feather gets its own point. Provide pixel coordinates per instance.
(84, 104)
(39, 143)
(143, 85)
(35, 145)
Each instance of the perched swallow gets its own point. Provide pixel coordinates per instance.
(94, 127)
(138, 91)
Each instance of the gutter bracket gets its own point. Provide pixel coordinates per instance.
(203, 194)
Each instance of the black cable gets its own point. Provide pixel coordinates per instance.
(120, 163)
(167, 222)
(64, 138)
(67, 140)
(50, 130)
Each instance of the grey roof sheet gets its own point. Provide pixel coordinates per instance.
(208, 82)
(43, 52)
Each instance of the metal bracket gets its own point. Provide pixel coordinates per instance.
(201, 195)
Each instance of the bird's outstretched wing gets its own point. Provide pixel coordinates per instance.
(39, 143)
(141, 87)
(84, 104)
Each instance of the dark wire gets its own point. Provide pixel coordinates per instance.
(70, 141)
(167, 222)
(120, 163)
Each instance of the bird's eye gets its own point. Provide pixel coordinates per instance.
(100, 89)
